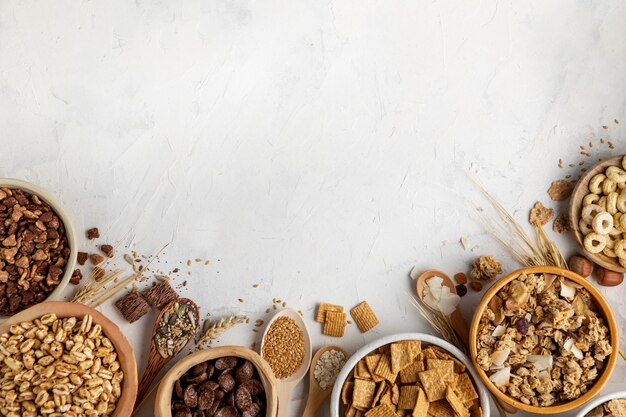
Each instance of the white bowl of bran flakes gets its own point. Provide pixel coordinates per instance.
(337, 409)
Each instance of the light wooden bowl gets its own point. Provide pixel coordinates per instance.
(604, 310)
(576, 205)
(125, 354)
(163, 400)
(69, 230)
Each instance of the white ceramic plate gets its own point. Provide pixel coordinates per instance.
(599, 400)
(335, 399)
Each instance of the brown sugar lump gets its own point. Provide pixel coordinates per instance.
(132, 306)
(160, 295)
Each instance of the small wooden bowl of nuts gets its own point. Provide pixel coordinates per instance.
(228, 381)
(597, 205)
(544, 340)
(95, 367)
(38, 251)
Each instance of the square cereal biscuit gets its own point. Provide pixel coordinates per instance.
(440, 408)
(409, 374)
(465, 388)
(322, 308)
(403, 354)
(383, 369)
(362, 371)
(382, 410)
(408, 397)
(372, 362)
(364, 317)
(363, 394)
(456, 404)
(446, 367)
(346, 392)
(434, 384)
(335, 324)
(421, 405)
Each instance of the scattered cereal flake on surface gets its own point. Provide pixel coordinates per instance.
(561, 223)
(485, 268)
(475, 248)
(560, 190)
(540, 215)
(465, 242)
(414, 272)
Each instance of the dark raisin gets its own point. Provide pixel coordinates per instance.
(461, 290)
(522, 326)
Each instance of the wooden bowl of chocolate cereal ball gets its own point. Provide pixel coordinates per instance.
(228, 381)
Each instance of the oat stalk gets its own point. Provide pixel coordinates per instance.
(213, 330)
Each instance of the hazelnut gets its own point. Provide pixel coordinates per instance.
(609, 278)
(580, 265)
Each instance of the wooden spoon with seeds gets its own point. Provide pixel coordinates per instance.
(317, 394)
(188, 313)
(285, 386)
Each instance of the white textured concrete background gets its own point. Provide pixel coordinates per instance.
(317, 148)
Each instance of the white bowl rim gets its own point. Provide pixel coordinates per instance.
(426, 338)
(60, 210)
(601, 399)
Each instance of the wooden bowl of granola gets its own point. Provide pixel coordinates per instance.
(576, 205)
(167, 397)
(544, 340)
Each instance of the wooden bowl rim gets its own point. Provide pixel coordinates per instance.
(575, 206)
(124, 350)
(603, 307)
(60, 210)
(163, 399)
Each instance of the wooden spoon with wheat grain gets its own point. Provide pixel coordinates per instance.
(175, 326)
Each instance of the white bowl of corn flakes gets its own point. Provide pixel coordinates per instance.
(613, 404)
(410, 373)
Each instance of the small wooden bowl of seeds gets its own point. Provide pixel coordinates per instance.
(233, 379)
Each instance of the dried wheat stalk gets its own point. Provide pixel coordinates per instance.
(213, 330)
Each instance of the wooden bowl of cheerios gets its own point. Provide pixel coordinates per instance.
(596, 211)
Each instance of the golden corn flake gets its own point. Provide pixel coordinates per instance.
(335, 324)
(456, 404)
(408, 397)
(364, 317)
(363, 394)
(322, 308)
(382, 410)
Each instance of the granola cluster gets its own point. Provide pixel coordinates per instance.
(541, 341)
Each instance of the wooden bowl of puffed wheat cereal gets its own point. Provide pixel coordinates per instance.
(544, 340)
(111, 376)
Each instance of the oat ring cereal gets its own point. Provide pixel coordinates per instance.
(590, 198)
(584, 227)
(611, 202)
(595, 184)
(595, 242)
(622, 222)
(620, 249)
(608, 186)
(602, 223)
(590, 211)
(616, 174)
(621, 202)
(609, 251)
